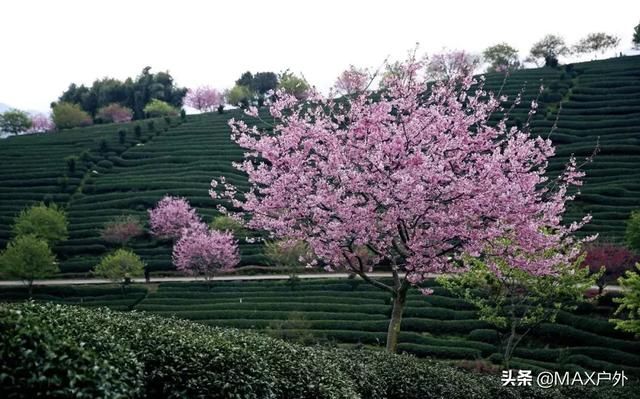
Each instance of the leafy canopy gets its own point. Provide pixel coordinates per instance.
(629, 302)
(67, 115)
(14, 121)
(501, 57)
(46, 222)
(120, 266)
(27, 258)
(157, 108)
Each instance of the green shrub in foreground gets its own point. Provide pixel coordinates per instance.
(64, 351)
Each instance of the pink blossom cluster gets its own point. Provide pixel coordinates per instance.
(203, 252)
(419, 178)
(173, 215)
(197, 249)
(122, 230)
(353, 80)
(204, 98)
(115, 113)
(41, 123)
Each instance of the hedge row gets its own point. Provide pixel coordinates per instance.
(60, 351)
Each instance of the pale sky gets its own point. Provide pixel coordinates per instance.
(46, 45)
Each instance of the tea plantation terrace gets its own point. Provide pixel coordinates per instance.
(597, 102)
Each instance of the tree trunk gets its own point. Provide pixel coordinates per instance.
(30, 289)
(399, 299)
(508, 350)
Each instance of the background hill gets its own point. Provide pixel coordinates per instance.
(116, 173)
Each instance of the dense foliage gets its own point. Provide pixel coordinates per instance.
(48, 222)
(501, 57)
(156, 108)
(239, 95)
(293, 85)
(132, 93)
(550, 48)
(629, 310)
(54, 350)
(15, 121)
(516, 301)
(66, 115)
(27, 258)
(597, 42)
(120, 266)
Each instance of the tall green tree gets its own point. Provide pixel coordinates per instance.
(636, 37)
(293, 84)
(28, 258)
(246, 79)
(14, 121)
(596, 42)
(263, 82)
(549, 49)
(48, 223)
(501, 57)
(239, 95)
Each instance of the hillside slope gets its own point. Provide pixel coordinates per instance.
(598, 101)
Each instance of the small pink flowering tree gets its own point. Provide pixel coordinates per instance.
(614, 259)
(414, 182)
(121, 230)
(41, 123)
(114, 113)
(171, 216)
(352, 81)
(204, 98)
(205, 252)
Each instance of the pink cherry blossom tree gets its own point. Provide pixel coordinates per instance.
(121, 230)
(171, 216)
(413, 182)
(204, 98)
(352, 81)
(41, 123)
(205, 252)
(115, 113)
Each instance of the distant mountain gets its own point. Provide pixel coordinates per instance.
(4, 107)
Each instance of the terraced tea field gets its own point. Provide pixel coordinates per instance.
(599, 102)
(351, 312)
